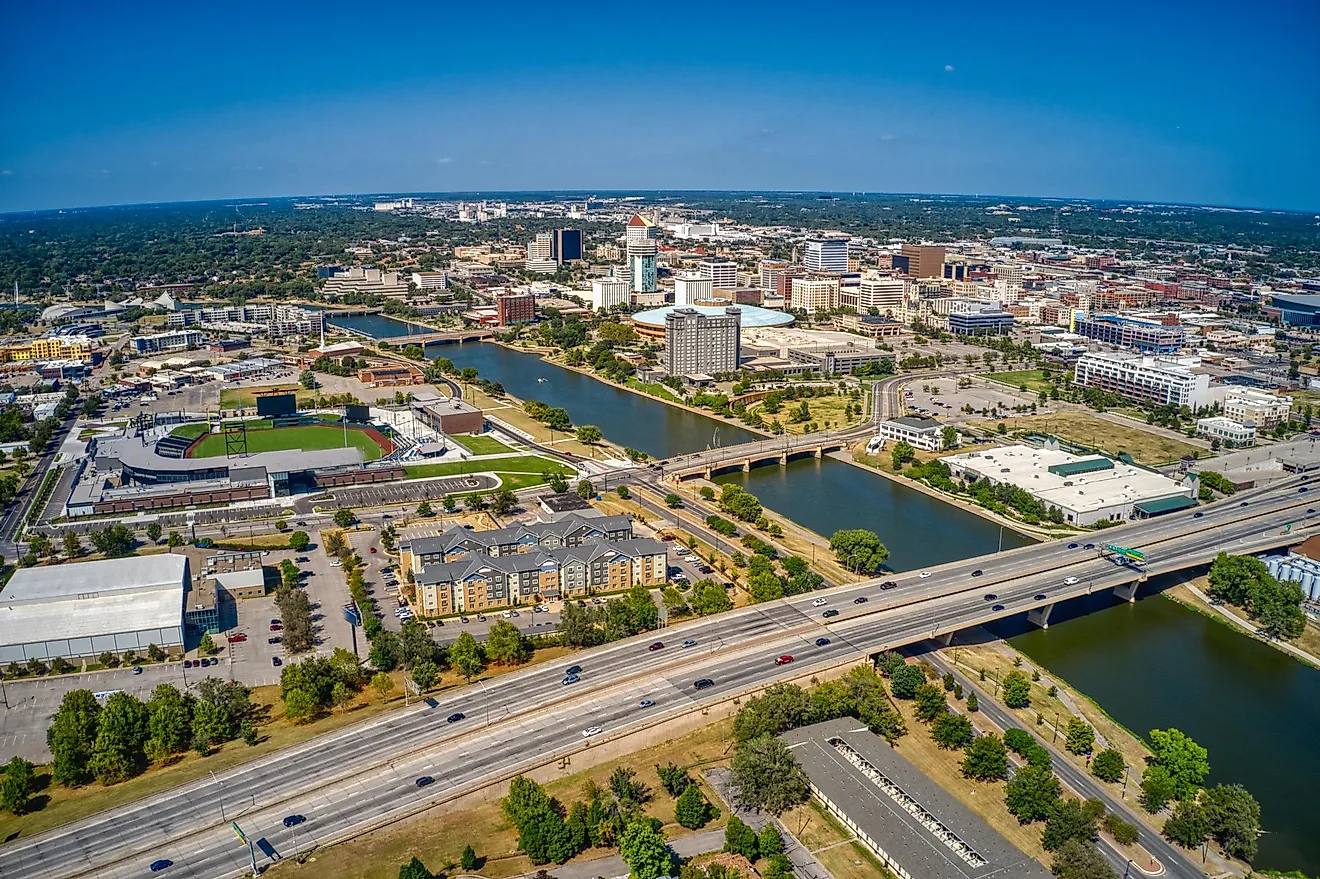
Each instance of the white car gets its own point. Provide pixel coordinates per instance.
(692, 560)
(819, 602)
(508, 614)
(591, 731)
(1071, 581)
(925, 574)
(336, 564)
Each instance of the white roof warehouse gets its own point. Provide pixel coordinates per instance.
(87, 608)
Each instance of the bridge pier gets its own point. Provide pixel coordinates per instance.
(708, 473)
(747, 465)
(945, 639)
(783, 458)
(820, 452)
(1040, 616)
(1127, 591)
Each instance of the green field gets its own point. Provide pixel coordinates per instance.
(308, 438)
(529, 464)
(246, 398)
(1034, 379)
(481, 445)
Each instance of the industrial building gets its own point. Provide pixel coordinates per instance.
(910, 823)
(1086, 490)
(88, 608)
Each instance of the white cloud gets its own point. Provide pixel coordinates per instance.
(886, 137)
(444, 160)
(948, 68)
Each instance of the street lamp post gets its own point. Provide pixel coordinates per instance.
(221, 785)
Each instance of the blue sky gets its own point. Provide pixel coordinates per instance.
(1204, 102)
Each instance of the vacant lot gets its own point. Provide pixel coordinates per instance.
(481, 445)
(1085, 429)
(308, 437)
(1034, 379)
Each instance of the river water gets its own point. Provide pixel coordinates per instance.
(1151, 664)
(378, 326)
(1156, 664)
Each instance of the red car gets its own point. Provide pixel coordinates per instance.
(373, 549)
(658, 645)
(276, 627)
(234, 639)
(784, 660)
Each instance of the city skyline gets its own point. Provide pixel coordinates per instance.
(162, 105)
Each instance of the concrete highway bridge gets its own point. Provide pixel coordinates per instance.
(439, 337)
(745, 456)
(528, 721)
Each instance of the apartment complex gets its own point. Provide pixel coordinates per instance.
(275, 321)
(1160, 380)
(51, 348)
(1127, 332)
(514, 308)
(464, 571)
(174, 340)
(702, 344)
(1263, 409)
(826, 255)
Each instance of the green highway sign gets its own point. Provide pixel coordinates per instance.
(238, 831)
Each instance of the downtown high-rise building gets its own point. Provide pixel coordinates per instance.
(643, 247)
(923, 260)
(691, 288)
(826, 255)
(721, 272)
(702, 344)
(566, 245)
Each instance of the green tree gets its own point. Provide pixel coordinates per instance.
(973, 704)
(299, 541)
(902, 453)
(383, 684)
(207, 644)
(768, 776)
(18, 786)
(948, 437)
(169, 720)
(1122, 832)
(1017, 690)
(858, 550)
(114, 542)
(1188, 825)
(71, 736)
(1108, 765)
(1032, 794)
(175, 540)
(344, 517)
(986, 758)
(154, 531)
(706, 492)
(449, 503)
(643, 848)
(739, 839)
(72, 545)
(1233, 816)
(307, 379)
(1080, 860)
(585, 489)
(1072, 819)
(301, 705)
(424, 509)
(692, 810)
(505, 644)
(468, 861)
(1080, 736)
(672, 500)
(121, 736)
(951, 731)
(1186, 762)
(1157, 788)
(905, 681)
(930, 703)
(503, 501)
(589, 434)
(465, 656)
(769, 842)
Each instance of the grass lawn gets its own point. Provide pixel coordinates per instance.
(438, 839)
(246, 398)
(827, 412)
(1034, 379)
(191, 431)
(1086, 429)
(481, 445)
(530, 464)
(655, 389)
(66, 804)
(309, 437)
(852, 861)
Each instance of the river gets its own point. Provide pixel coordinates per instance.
(378, 326)
(1156, 664)
(1150, 664)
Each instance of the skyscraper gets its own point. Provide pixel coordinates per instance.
(924, 260)
(567, 245)
(719, 271)
(827, 255)
(642, 250)
(690, 288)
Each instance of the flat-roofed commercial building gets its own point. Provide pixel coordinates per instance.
(1229, 432)
(1126, 332)
(609, 292)
(690, 288)
(515, 308)
(985, 321)
(813, 293)
(826, 255)
(884, 293)
(1263, 409)
(173, 340)
(924, 260)
(914, 826)
(719, 271)
(1086, 490)
(922, 433)
(1163, 380)
(88, 608)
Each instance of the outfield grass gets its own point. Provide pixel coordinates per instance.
(190, 431)
(481, 445)
(308, 438)
(525, 464)
(246, 398)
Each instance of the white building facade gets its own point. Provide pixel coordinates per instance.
(1264, 409)
(1160, 380)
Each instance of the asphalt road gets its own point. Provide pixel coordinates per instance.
(363, 773)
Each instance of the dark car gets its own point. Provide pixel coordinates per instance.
(1302, 490)
(1197, 515)
(570, 679)
(888, 584)
(1310, 510)
(1072, 546)
(821, 642)
(830, 613)
(1243, 504)
(275, 640)
(293, 820)
(658, 645)
(424, 781)
(1089, 546)
(978, 572)
(861, 599)
(187, 663)
(573, 670)
(1040, 596)
(275, 622)
(455, 717)
(276, 661)
(162, 864)
(702, 683)
(990, 596)
(997, 607)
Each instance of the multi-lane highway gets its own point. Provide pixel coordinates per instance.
(366, 773)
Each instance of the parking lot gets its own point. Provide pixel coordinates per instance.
(411, 492)
(945, 399)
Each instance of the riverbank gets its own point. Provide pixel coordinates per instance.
(1192, 594)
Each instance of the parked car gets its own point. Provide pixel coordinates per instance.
(235, 639)
(276, 661)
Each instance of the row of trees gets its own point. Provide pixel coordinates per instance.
(116, 741)
(1245, 581)
(630, 614)
(706, 597)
